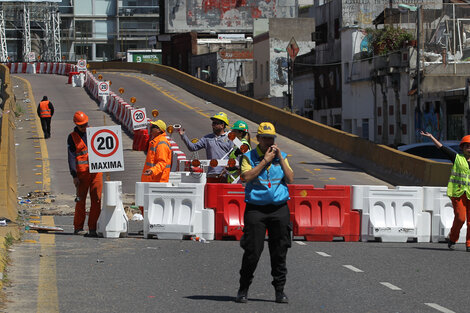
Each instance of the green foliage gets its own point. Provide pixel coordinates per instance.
(387, 40)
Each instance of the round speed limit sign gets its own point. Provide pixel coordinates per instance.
(103, 89)
(106, 153)
(81, 64)
(139, 119)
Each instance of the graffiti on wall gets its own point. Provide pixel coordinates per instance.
(278, 68)
(230, 64)
(223, 15)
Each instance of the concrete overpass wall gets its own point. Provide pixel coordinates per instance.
(378, 160)
(8, 177)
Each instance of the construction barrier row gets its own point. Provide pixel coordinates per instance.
(41, 68)
(121, 111)
(349, 213)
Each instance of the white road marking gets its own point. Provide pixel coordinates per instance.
(439, 308)
(301, 243)
(388, 285)
(323, 254)
(354, 269)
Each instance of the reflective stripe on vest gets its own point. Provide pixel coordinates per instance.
(81, 153)
(153, 164)
(165, 155)
(44, 110)
(459, 180)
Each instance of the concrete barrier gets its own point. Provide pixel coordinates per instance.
(8, 179)
(383, 162)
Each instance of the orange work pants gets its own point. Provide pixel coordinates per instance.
(461, 213)
(94, 183)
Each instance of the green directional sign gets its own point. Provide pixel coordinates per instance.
(155, 58)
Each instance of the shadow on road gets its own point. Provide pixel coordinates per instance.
(223, 298)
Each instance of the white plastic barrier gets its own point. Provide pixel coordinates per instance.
(438, 203)
(113, 222)
(103, 102)
(392, 215)
(174, 210)
(78, 80)
(31, 68)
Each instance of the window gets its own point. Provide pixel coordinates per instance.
(261, 73)
(321, 34)
(255, 67)
(83, 29)
(336, 28)
(104, 52)
(267, 71)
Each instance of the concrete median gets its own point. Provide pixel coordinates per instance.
(381, 161)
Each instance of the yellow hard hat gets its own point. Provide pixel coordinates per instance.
(221, 116)
(160, 124)
(266, 129)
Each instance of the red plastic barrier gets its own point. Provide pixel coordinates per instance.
(320, 214)
(228, 202)
(70, 76)
(144, 141)
(135, 140)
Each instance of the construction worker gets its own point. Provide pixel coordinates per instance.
(158, 163)
(240, 129)
(45, 112)
(83, 180)
(217, 146)
(458, 188)
(267, 173)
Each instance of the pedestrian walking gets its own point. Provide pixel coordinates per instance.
(83, 180)
(458, 188)
(45, 112)
(217, 145)
(240, 129)
(158, 162)
(267, 173)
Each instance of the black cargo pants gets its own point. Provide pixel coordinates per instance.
(258, 219)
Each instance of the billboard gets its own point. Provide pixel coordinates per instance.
(232, 16)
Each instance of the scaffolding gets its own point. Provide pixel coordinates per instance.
(3, 40)
(32, 28)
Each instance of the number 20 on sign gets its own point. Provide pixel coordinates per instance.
(105, 153)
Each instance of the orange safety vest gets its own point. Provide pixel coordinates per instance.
(81, 153)
(44, 110)
(158, 160)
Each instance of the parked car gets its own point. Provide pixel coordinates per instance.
(429, 151)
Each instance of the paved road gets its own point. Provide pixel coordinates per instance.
(139, 275)
(66, 273)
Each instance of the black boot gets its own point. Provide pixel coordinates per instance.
(242, 295)
(281, 296)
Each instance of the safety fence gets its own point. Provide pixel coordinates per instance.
(188, 206)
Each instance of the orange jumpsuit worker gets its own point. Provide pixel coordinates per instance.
(45, 112)
(82, 178)
(458, 188)
(158, 163)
